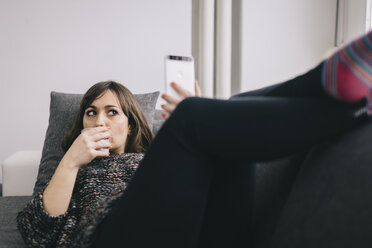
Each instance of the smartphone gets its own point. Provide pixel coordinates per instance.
(179, 69)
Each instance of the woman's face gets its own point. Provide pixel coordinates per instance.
(106, 111)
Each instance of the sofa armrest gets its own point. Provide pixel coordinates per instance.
(20, 172)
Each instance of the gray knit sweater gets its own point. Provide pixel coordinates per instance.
(98, 186)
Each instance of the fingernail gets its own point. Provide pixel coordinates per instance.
(162, 114)
(173, 83)
(162, 95)
(162, 106)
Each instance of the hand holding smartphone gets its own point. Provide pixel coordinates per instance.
(179, 69)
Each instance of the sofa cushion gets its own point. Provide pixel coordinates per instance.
(157, 121)
(63, 109)
(330, 204)
(274, 180)
(9, 207)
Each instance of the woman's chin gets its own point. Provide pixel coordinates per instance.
(114, 152)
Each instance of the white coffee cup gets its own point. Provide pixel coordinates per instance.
(102, 149)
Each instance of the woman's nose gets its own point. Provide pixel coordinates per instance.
(100, 121)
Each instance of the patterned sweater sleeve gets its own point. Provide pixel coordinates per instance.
(37, 227)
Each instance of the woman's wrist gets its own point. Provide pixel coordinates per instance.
(69, 164)
(57, 195)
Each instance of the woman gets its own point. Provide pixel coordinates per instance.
(194, 188)
(81, 191)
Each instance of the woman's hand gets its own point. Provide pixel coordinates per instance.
(87, 146)
(57, 195)
(172, 102)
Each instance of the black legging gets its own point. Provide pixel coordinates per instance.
(194, 187)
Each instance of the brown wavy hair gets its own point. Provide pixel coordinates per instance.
(140, 135)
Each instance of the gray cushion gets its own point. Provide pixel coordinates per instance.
(9, 207)
(63, 109)
(157, 121)
(330, 204)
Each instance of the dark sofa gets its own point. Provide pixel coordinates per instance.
(317, 198)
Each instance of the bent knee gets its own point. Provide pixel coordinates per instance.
(186, 113)
(187, 106)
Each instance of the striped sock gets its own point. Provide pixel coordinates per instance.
(347, 75)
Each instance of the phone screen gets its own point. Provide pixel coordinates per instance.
(179, 69)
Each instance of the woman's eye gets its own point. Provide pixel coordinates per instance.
(90, 112)
(113, 112)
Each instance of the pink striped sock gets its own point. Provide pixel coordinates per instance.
(347, 75)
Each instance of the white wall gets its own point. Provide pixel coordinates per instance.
(69, 45)
(281, 39)
(354, 19)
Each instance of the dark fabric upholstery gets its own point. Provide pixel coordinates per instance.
(9, 207)
(273, 184)
(331, 200)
